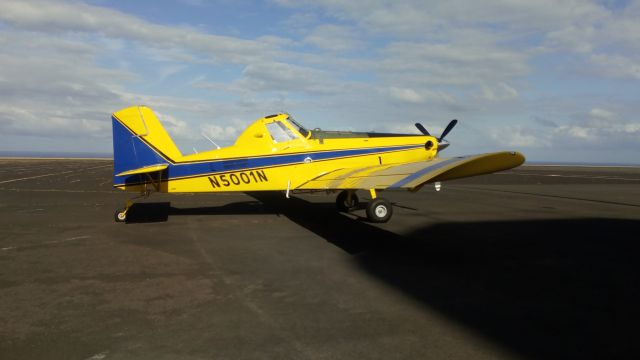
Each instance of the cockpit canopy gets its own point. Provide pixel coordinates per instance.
(271, 130)
(280, 132)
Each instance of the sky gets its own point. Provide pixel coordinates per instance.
(556, 80)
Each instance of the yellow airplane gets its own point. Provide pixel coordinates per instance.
(276, 153)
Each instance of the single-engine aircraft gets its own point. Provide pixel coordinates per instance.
(276, 153)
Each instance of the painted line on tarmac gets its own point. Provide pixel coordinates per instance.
(59, 190)
(45, 243)
(35, 177)
(52, 174)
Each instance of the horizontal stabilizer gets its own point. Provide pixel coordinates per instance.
(144, 170)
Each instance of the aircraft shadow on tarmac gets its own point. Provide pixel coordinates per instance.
(564, 288)
(151, 212)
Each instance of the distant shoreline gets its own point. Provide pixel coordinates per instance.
(581, 165)
(54, 155)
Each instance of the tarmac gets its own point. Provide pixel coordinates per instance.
(535, 262)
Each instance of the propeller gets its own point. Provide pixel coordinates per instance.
(442, 144)
(452, 123)
(422, 129)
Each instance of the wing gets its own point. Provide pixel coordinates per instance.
(414, 175)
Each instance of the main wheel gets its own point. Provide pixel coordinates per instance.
(379, 210)
(120, 216)
(343, 204)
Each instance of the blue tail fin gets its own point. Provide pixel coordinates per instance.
(139, 141)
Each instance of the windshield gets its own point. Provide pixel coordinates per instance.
(279, 132)
(304, 132)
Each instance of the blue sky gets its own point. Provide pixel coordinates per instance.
(556, 80)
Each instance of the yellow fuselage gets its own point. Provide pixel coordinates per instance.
(260, 161)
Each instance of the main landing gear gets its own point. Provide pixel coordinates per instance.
(347, 201)
(378, 210)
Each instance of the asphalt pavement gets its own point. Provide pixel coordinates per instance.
(535, 262)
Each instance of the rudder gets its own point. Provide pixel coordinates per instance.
(139, 140)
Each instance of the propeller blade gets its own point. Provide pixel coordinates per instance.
(422, 129)
(447, 129)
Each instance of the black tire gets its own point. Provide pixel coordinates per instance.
(379, 210)
(341, 201)
(120, 216)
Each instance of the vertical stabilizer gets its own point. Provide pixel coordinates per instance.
(139, 141)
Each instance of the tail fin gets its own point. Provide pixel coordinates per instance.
(139, 141)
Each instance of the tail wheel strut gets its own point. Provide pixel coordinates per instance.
(121, 215)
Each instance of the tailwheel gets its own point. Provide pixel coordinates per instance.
(347, 201)
(379, 210)
(121, 215)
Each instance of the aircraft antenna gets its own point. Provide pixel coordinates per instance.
(208, 138)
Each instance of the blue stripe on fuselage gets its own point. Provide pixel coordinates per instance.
(179, 170)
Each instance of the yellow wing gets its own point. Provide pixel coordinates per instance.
(414, 175)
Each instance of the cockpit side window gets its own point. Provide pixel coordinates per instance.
(280, 132)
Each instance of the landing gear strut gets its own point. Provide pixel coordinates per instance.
(379, 210)
(347, 201)
(121, 215)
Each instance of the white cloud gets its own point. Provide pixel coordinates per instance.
(578, 132)
(449, 64)
(617, 66)
(518, 137)
(500, 92)
(220, 133)
(334, 38)
(51, 87)
(600, 126)
(403, 94)
(593, 131)
(417, 17)
(605, 36)
(178, 129)
(48, 123)
(65, 66)
(47, 16)
(419, 97)
(281, 78)
(602, 113)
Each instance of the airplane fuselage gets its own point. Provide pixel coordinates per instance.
(260, 161)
